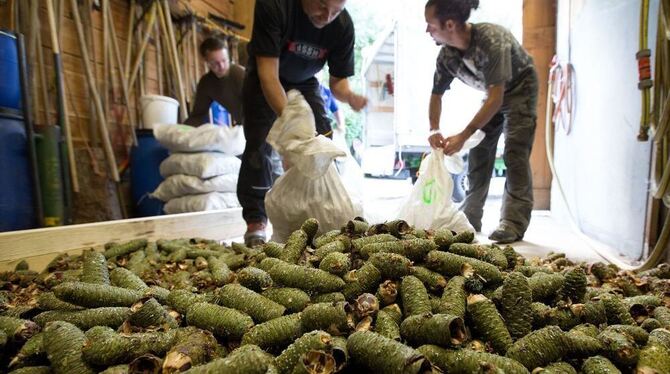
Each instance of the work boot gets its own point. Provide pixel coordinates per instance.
(255, 234)
(505, 235)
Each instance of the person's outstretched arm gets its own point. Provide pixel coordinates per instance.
(342, 91)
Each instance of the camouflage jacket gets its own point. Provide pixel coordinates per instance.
(494, 56)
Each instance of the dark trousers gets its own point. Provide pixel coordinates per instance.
(516, 120)
(256, 175)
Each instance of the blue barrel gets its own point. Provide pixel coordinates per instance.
(10, 82)
(17, 211)
(145, 160)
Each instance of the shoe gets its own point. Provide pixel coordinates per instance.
(504, 235)
(255, 234)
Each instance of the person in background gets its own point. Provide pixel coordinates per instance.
(223, 84)
(291, 42)
(487, 57)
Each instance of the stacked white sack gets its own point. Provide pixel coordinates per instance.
(201, 172)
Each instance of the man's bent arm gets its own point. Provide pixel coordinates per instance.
(268, 73)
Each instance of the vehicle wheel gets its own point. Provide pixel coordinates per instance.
(414, 173)
(460, 186)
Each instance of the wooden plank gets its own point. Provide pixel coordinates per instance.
(218, 225)
(244, 14)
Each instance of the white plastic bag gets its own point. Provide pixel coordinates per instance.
(311, 188)
(202, 165)
(429, 205)
(180, 185)
(202, 202)
(205, 138)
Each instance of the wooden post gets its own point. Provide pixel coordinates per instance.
(102, 121)
(539, 39)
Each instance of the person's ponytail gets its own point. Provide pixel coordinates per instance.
(456, 10)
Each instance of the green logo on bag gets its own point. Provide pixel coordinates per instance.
(431, 192)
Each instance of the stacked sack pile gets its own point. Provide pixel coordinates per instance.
(202, 170)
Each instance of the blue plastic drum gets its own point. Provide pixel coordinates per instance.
(145, 161)
(10, 82)
(17, 211)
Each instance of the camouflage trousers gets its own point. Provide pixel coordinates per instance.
(516, 119)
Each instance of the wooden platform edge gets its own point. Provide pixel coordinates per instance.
(47, 242)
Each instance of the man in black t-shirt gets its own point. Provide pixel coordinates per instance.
(291, 41)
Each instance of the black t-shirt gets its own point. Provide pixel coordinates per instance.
(283, 30)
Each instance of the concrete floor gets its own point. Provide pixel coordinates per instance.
(383, 198)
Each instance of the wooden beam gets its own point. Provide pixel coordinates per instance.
(219, 225)
(539, 39)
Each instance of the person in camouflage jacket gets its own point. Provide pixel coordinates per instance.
(488, 58)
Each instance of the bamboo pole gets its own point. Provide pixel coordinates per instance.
(159, 59)
(31, 55)
(105, 59)
(40, 84)
(173, 47)
(143, 46)
(64, 117)
(196, 55)
(186, 55)
(84, 9)
(102, 121)
(168, 57)
(60, 7)
(129, 37)
(43, 79)
(116, 53)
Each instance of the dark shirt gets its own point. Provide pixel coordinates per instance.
(227, 91)
(283, 30)
(494, 56)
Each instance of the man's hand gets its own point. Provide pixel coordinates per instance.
(454, 143)
(436, 140)
(357, 102)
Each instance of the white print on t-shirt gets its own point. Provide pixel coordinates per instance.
(306, 50)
